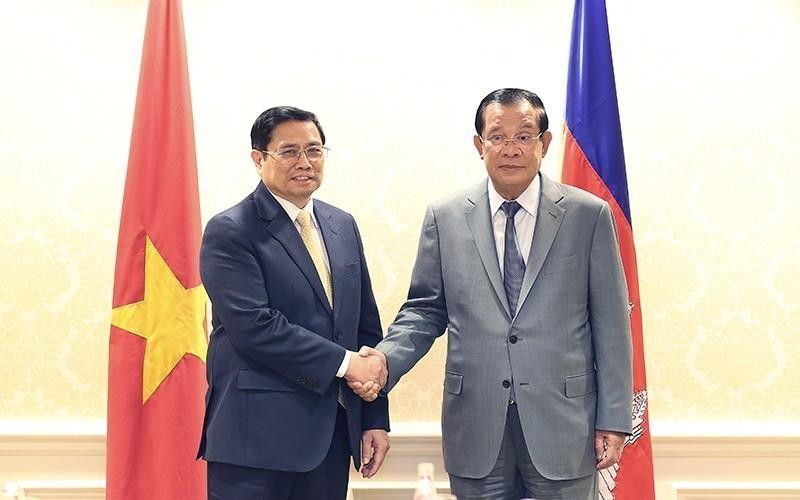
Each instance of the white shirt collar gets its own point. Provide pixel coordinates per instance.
(529, 199)
(293, 210)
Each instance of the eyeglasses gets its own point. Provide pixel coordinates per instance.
(288, 155)
(523, 141)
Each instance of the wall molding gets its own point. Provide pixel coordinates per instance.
(53, 445)
(65, 489)
(737, 461)
(730, 446)
(737, 490)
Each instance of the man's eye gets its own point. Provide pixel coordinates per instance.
(497, 139)
(524, 138)
(288, 153)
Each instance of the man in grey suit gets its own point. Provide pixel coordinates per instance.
(525, 275)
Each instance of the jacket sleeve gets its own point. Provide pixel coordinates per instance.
(235, 284)
(610, 326)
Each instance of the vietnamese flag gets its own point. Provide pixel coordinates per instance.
(157, 347)
(594, 161)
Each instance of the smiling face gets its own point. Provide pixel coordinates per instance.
(511, 166)
(294, 179)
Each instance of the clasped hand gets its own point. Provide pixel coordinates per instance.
(367, 372)
(608, 446)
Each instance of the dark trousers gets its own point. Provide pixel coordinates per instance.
(328, 481)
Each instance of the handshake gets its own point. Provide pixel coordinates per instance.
(367, 372)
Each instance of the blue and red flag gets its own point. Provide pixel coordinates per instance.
(594, 160)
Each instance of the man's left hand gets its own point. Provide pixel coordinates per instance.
(608, 448)
(374, 446)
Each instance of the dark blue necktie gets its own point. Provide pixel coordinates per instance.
(513, 265)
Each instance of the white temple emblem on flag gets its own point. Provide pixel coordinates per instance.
(608, 477)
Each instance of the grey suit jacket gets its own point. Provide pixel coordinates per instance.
(567, 350)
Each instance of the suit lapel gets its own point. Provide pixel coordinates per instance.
(480, 223)
(548, 220)
(334, 246)
(283, 230)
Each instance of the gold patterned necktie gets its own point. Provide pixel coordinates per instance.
(309, 238)
(312, 244)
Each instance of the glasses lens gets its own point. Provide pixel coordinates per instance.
(288, 154)
(524, 139)
(497, 140)
(314, 153)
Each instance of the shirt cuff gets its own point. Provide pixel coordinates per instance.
(345, 364)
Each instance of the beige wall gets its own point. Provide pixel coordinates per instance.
(710, 120)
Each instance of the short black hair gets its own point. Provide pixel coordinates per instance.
(511, 96)
(261, 133)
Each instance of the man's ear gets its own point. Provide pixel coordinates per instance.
(478, 144)
(256, 156)
(546, 138)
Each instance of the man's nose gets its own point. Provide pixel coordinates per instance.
(303, 161)
(511, 150)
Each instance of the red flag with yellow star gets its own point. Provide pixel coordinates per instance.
(157, 349)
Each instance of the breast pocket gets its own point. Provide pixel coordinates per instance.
(351, 268)
(561, 265)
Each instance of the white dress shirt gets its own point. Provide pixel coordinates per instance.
(293, 211)
(524, 220)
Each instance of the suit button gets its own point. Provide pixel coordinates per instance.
(506, 384)
(338, 335)
(513, 339)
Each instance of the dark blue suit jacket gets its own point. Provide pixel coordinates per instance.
(276, 344)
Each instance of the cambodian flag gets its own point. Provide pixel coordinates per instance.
(594, 161)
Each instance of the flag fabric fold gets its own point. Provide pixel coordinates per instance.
(157, 345)
(594, 160)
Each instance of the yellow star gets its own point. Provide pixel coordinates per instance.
(171, 319)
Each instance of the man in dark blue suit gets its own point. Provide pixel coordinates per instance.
(292, 302)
